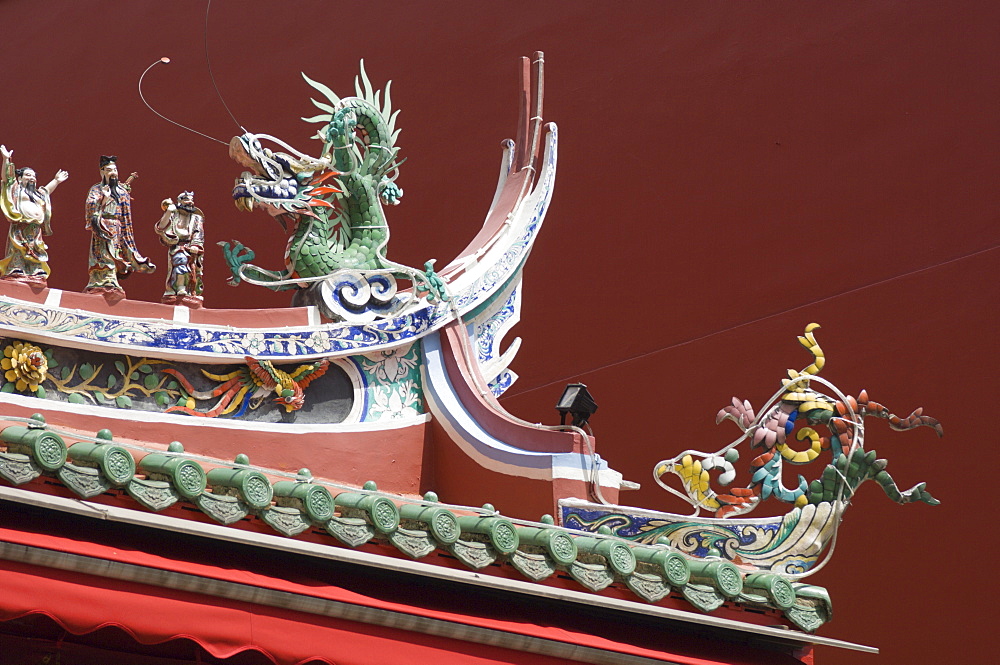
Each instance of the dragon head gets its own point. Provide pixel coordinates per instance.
(278, 182)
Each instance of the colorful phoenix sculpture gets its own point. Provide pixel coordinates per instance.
(248, 386)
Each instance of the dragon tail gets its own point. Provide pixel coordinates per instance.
(914, 420)
(808, 341)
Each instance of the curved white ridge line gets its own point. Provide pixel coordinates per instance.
(483, 447)
(125, 416)
(466, 260)
(521, 227)
(492, 369)
(541, 191)
(506, 160)
(358, 391)
(478, 329)
(532, 207)
(465, 431)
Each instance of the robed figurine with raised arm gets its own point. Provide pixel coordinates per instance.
(28, 208)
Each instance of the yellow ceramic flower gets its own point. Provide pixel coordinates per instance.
(25, 364)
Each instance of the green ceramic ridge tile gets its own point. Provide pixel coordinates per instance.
(229, 494)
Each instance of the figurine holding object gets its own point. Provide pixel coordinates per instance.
(182, 231)
(112, 247)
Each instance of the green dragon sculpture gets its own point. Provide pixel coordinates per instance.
(331, 205)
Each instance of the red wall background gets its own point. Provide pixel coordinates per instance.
(728, 173)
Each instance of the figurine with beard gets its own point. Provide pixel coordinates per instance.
(182, 231)
(112, 246)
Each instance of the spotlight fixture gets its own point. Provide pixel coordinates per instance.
(577, 402)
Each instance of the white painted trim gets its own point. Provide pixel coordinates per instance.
(539, 473)
(607, 477)
(485, 449)
(53, 298)
(358, 387)
(533, 201)
(506, 160)
(466, 432)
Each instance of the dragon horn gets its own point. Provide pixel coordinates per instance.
(327, 92)
(387, 106)
(366, 93)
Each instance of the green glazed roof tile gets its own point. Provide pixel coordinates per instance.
(231, 492)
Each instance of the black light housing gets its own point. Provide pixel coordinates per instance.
(577, 402)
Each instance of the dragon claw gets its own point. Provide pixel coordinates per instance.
(236, 257)
(389, 192)
(918, 493)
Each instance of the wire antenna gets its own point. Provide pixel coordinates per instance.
(143, 98)
(208, 61)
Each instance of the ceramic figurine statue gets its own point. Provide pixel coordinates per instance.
(28, 208)
(112, 246)
(182, 231)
